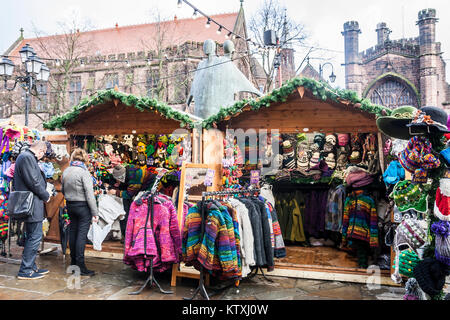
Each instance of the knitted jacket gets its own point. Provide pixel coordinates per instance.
(133, 183)
(167, 248)
(279, 248)
(335, 208)
(268, 248)
(216, 251)
(246, 236)
(360, 220)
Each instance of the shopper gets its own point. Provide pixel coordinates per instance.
(78, 189)
(29, 177)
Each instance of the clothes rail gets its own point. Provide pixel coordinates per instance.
(150, 204)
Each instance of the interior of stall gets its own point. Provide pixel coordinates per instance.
(321, 163)
(136, 135)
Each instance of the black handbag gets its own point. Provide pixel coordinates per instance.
(20, 205)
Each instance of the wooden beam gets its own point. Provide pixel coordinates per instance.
(301, 91)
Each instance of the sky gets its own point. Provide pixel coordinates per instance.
(323, 20)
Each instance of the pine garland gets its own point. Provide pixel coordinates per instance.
(319, 89)
(102, 96)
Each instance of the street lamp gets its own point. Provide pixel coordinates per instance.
(35, 70)
(332, 76)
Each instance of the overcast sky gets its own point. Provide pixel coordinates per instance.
(323, 20)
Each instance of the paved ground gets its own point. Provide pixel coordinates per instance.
(114, 280)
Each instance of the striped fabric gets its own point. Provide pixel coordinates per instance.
(360, 220)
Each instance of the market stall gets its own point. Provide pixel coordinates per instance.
(329, 149)
(142, 135)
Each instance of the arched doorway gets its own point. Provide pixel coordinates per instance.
(392, 92)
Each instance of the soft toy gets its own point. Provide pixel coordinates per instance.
(161, 151)
(303, 155)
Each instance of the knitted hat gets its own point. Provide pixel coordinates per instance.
(442, 203)
(442, 249)
(417, 158)
(394, 173)
(398, 146)
(288, 155)
(394, 125)
(315, 158)
(355, 157)
(119, 173)
(319, 139)
(408, 260)
(343, 139)
(430, 274)
(330, 160)
(411, 232)
(408, 195)
(331, 138)
(446, 155)
(412, 290)
(429, 119)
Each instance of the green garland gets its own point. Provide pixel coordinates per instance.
(140, 103)
(319, 89)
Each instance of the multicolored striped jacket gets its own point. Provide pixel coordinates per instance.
(360, 220)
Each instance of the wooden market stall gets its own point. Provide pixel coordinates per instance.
(305, 106)
(111, 112)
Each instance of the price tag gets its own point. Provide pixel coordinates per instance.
(209, 177)
(254, 176)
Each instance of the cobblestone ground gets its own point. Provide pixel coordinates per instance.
(115, 280)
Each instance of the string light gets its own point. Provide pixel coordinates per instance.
(128, 64)
(208, 23)
(227, 36)
(57, 63)
(180, 2)
(106, 63)
(195, 15)
(149, 61)
(219, 31)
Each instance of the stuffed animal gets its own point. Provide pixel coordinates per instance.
(161, 151)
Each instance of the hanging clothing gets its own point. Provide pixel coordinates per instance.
(163, 242)
(360, 219)
(246, 233)
(297, 233)
(278, 245)
(315, 210)
(335, 209)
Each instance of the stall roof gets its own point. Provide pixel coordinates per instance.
(112, 98)
(318, 90)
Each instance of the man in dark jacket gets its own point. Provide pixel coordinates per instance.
(29, 177)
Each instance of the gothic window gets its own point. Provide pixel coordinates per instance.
(392, 93)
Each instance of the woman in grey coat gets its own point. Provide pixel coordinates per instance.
(78, 189)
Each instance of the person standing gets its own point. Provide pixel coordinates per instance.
(78, 189)
(29, 177)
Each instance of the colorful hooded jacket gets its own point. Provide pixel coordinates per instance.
(135, 177)
(167, 248)
(360, 219)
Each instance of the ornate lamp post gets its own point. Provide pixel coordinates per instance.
(332, 76)
(35, 70)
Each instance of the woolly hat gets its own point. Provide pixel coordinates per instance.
(412, 290)
(119, 173)
(357, 177)
(330, 160)
(429, 120)
(355, 157)
(343, 139)
(398, 146)
(430, 274)
(331, 138)
(417, 158)
(411, 232)
(394, 173)
(446, 155)
(442, 203)
(408, 195)
(319, 139)
(442, 249)
(408, 260)
(394, 125)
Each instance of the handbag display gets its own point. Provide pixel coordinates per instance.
(20, 205)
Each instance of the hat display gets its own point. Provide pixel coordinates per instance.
(442, 249)
(430, 274)
(394, 125)
(417, 158)
(119, 173)
(429, 119)
(288, 155)
(442, 203)
(408, 195)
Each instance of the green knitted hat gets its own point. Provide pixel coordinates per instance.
(408, 195)
(408, 260)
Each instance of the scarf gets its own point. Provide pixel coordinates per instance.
(82, 165)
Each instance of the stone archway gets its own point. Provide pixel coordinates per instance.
(392, 91)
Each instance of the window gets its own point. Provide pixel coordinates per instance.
(112, 80)
(41, 99)
(151, 83)
(74, 91)
(392, 93)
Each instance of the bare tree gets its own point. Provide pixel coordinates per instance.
(271, 15)
(68, 47)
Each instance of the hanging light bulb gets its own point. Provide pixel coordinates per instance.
(149, 61)
(57, 63)
(227, 36)
(106, 63)
(180, 2)
(128, 64)
(219, 31)
(195, 14)
(81, 63)
(208, 23)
